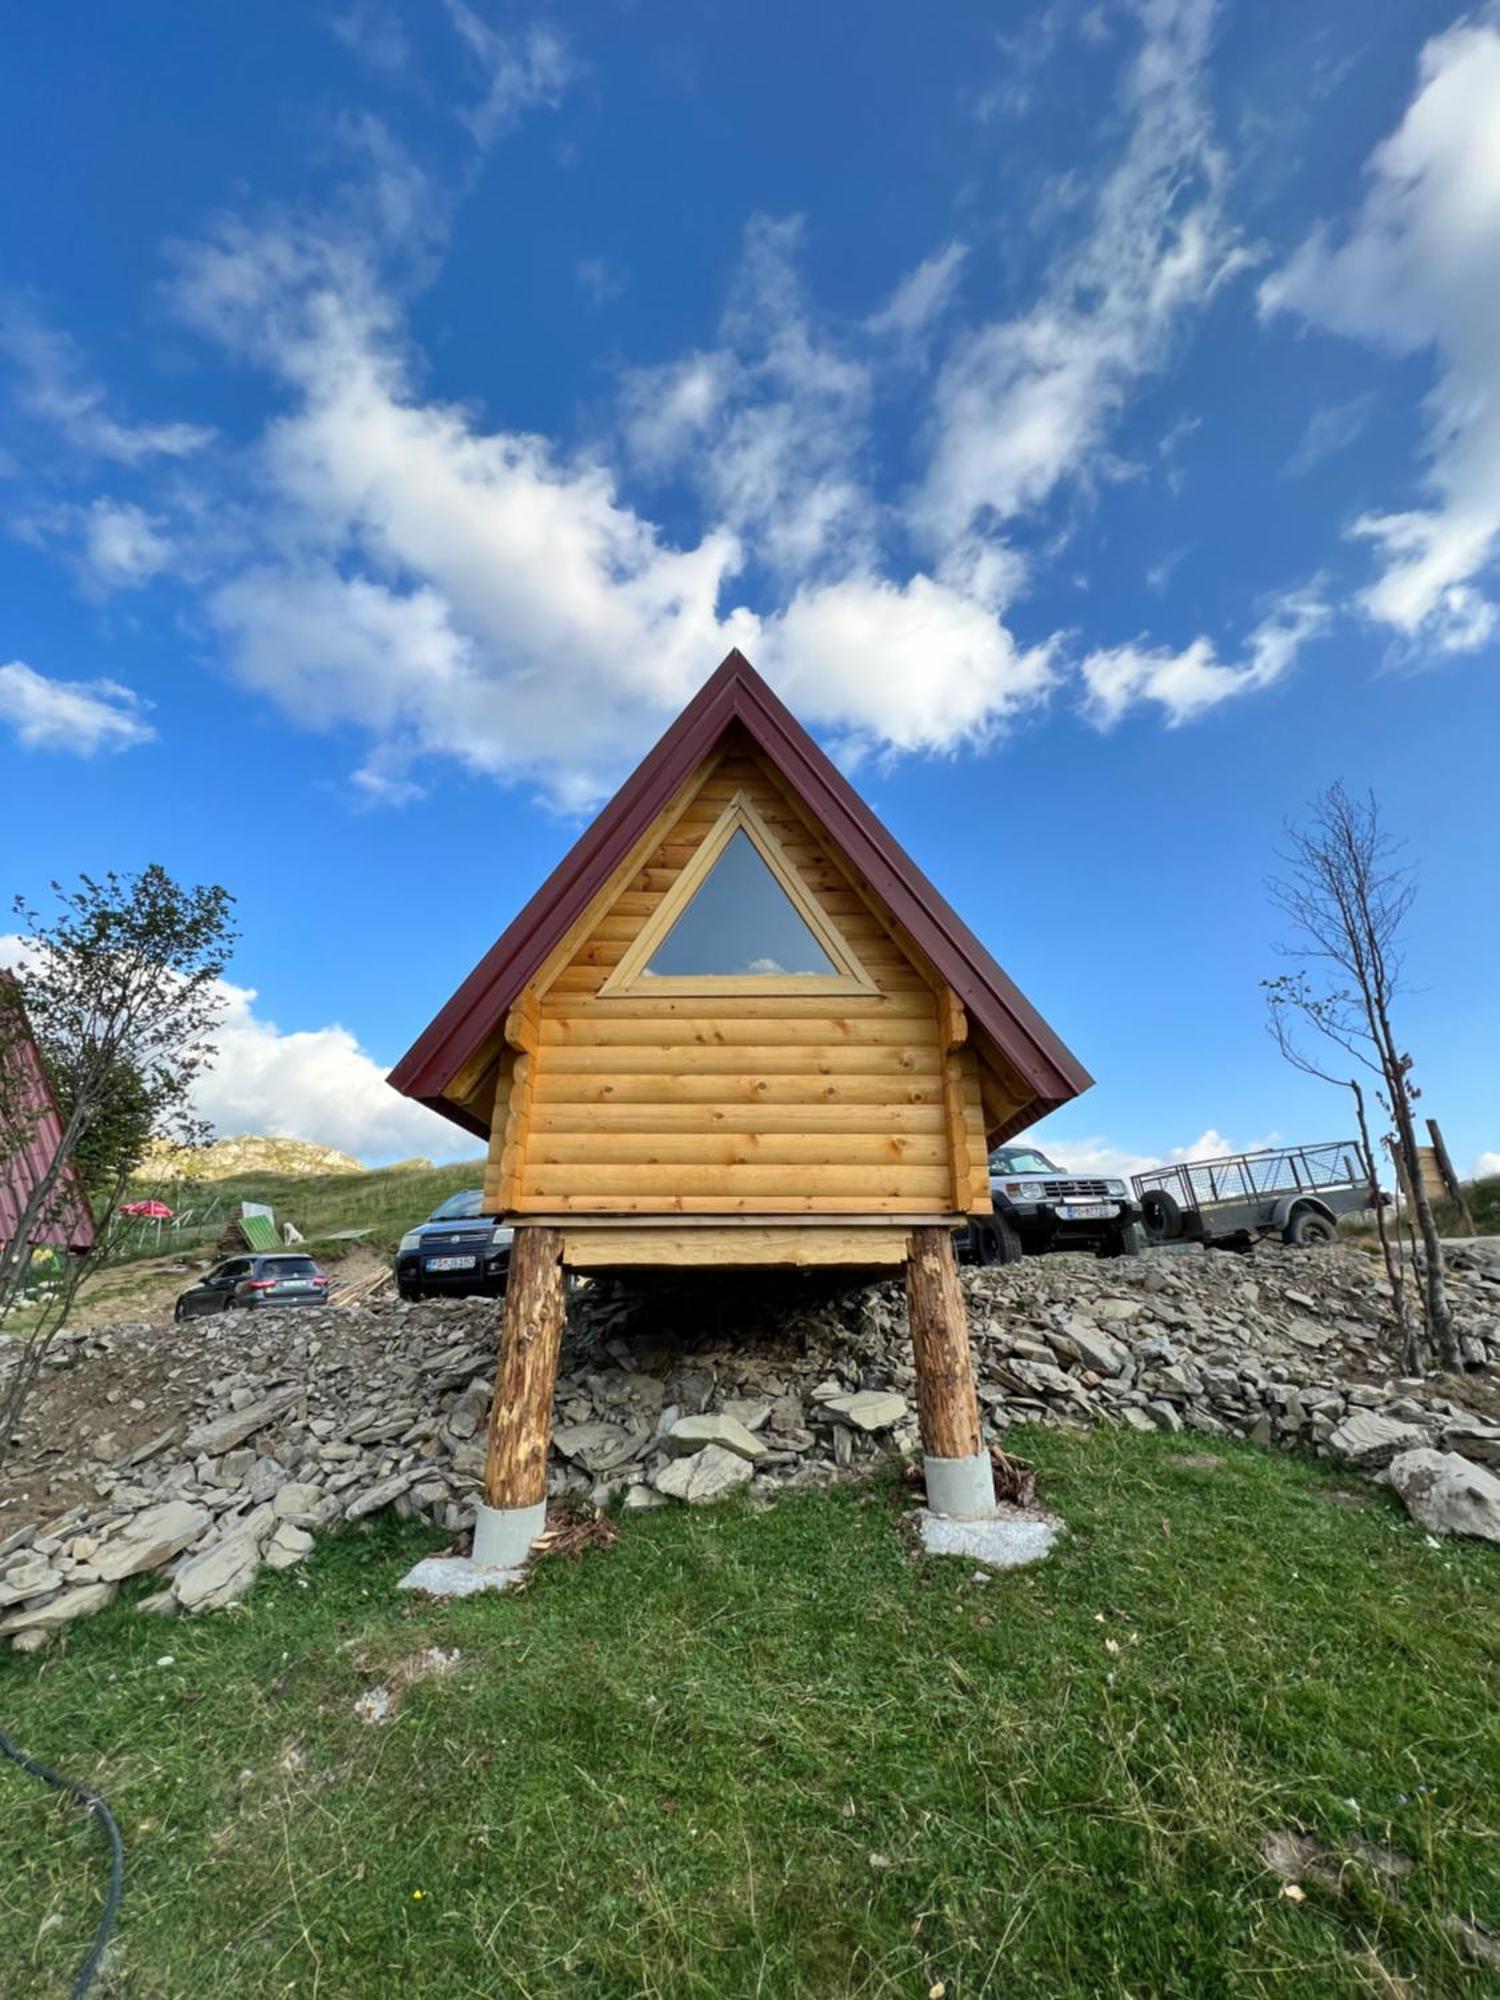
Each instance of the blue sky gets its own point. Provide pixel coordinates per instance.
(1087, 415)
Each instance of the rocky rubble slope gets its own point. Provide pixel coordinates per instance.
(200, 1453)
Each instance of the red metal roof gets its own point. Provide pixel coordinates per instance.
(69, 1223)
(737, 694)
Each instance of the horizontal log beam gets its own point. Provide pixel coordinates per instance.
(752, 1248)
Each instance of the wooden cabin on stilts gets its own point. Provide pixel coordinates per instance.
(736, 1028)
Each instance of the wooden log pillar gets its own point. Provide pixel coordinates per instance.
(515, 1471)
(960, 1480)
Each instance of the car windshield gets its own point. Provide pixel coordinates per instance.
(1020, 1160)
(462, 1207)
(288, 1267)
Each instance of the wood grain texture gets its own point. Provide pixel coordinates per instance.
(515, 1471)
(860, 1186)
(777, 1103)
(744, 1248)
(947, 1407)
(758, 1207)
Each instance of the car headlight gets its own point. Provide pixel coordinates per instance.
(1026, 1191)
(503, 1234)
(412, 1240)
(1115, 1187)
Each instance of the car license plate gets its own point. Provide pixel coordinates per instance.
(451, 1263)
(1093, 1211)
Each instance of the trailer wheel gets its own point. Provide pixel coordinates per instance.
(995, 1240)
(1306, 1228)
(1161, 1215)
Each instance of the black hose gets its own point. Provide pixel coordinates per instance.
(91, 1803)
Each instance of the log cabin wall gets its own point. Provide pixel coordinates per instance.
(757, 1103)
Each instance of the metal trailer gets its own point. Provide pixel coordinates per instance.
(1295, 1192)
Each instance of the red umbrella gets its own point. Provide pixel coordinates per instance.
(153, 1211)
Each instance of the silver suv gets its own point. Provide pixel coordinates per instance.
(1039, 1207)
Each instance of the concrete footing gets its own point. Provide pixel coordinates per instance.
(961, 1488)
(502, 1541)
(503, 1535)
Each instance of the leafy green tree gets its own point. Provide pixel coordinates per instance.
(120, 987)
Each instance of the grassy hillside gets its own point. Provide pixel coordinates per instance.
(385, 1202)
(1484, 1205)
(754, 1751)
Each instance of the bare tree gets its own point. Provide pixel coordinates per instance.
(1285, 1000)
(1347, 895)
(117, 993)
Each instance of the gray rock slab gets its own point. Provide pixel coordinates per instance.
(219, 1575)
(1010, 1539)
(1370, 1440)
(1447, 1494)
(34, 1576)
(149, 1539)
(458, 1576)
(59, 1610)
(751, 1411)
(381, 1494)
(708, 1475)
(869, 1409)
(305, 1505)
(691, 1434)
(1474, 1439)
(288, 1545)
(224, 1433)
(597, 1447)
(1095, 1348)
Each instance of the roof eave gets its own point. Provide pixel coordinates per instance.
(735, 692)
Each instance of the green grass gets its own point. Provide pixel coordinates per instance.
(386, 1202)
(767, 1753)
(1483, 1198)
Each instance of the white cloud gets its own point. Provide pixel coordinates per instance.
(1486, 1164)
(123, 545)
(769, 426)
(1029, 401)
(80, 716)
(473, 594)
(314, 1083)
(600, 280)
(1098, 1157)
(922, 296)
(52, 385)
(406, 570)
(1415, 270)
(372, 30)
(1329, 431)
(1184, 685)
(319, 1084)
(519, 72)
(668, 410)
(913, 667)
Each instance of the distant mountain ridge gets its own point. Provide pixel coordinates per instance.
(247, 1153)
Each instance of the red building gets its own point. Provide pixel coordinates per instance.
(31, 1131)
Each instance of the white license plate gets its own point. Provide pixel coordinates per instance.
(451, 1263)
(1094, 1211)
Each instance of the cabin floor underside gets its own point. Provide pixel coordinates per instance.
(676, 1243)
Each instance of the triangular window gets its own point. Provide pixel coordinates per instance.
(741, 921)
(738, 918)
